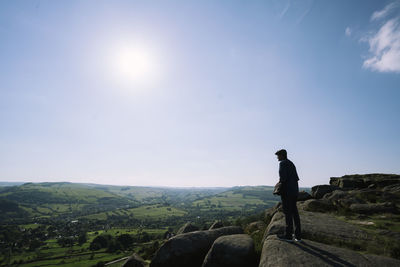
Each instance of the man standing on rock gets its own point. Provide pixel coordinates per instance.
(290, 189)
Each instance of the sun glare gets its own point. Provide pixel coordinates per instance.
(133, 65)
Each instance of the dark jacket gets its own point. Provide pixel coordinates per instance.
(288, 177)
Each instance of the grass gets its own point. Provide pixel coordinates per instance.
(30, 226)
(143, 212)
(228, 201)
(379, 244)
(79, 260)
(51, 254)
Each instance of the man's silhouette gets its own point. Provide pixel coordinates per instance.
(289, 191)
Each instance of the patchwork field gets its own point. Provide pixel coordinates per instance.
(64, 224)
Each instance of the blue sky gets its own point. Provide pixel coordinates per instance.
(198, 93)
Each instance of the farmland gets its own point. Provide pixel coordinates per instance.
(65, 224)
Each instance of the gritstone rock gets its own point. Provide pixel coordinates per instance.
(321, 205)
(254, 226)
(216, 225)
(319, 191)
(134, 261)
(358, 181)
(322, 227)
(189, 249)
(269, 213)
(371, 208)
(231, 251)
(187, 228)
(303, 195)
(277, 253)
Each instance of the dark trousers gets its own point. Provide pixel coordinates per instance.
(291, 214)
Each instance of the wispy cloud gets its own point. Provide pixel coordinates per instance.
(384, 44)
(303, 15)
(347, 31)
(385, 11)
(284, 10)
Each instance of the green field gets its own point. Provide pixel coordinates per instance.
(238, 199)
(143, 212)
(42, 224)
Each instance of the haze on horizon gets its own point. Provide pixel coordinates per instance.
(198, 93)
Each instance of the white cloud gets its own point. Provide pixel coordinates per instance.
(384, 42)
(347, 31)
(385, 11)
(384, 47)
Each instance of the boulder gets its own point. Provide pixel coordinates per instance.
(322, 227)
(371, 195)
(276, 225)
(371, 208)
(319, 191)
(216, 225)
(348, 201)
(278, 253)
(320, 205)
(343, 199)
(347, 182)
(187, 228)
(359, 181)
(189, 249)
(393, 189)
(231, 251)
(336, 196)
(270, 212)
(254, 226)
(134, 261)
(303, 195)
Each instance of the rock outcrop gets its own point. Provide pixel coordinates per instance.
(269, 213)
(189, 249)
(187, 228)
(370, 208)
(322, 227)
(320, 205)
(232, 251)
(276, 253)
(134, 261)
(358, 181)
(303, 195)
(319, 191)
(254, 226)
(216, 225)
(338, 224)
(340, 227)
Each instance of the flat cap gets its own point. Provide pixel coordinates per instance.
(281, 152)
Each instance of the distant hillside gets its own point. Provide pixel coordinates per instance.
(93, 201)
(63, 199)
(153, 194)
(10, 183)
(52, 199)
(244, 199)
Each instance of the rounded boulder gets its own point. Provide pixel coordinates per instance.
(233, 251)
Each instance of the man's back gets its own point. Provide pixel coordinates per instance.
(288, 177)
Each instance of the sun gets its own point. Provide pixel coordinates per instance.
(134, 65)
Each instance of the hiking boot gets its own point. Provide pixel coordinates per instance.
(285, 238)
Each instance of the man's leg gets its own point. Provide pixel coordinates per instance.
(296, 219)
(287, 210)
